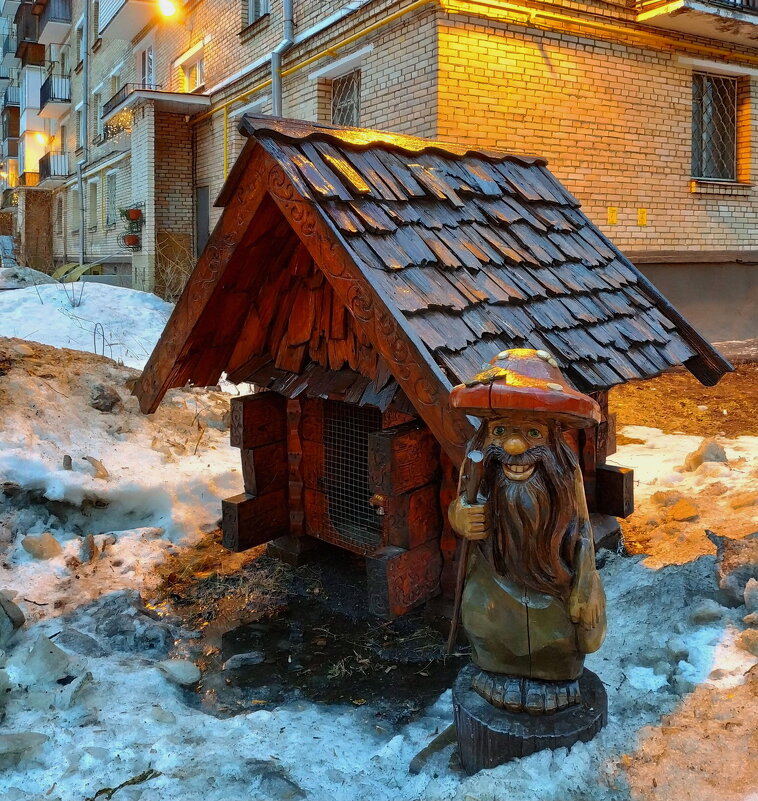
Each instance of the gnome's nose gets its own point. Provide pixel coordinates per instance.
(515, 445)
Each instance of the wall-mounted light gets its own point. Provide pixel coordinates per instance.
(41, 139)
(167, 7)
(3, 175)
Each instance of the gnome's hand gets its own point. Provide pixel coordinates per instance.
(470, 521)
(587, 601)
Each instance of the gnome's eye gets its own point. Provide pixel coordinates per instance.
(498, 431)
(534, 433)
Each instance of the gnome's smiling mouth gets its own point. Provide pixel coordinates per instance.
(518, 472)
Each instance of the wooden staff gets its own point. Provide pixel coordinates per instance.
(468, 485)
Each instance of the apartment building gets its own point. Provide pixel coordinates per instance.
(119, 118)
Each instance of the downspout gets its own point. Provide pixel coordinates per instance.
(85, 129)
(276, 58)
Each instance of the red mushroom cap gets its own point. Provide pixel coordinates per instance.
(525, 381)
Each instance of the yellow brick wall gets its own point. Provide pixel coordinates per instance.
(613, 120)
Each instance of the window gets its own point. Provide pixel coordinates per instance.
(80, 42)
(346, 99)
(146, 66)
(257, 9)
(62, 143)
(714, 127)
(59, 215)
(92, 205)
(97, 110)
(111, 211)
(194, 75)
(115, 82)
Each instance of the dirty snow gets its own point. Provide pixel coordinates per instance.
(120, 323)
(166, 474)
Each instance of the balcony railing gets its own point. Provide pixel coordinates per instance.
(53, 165)
(123, 93)
(10, 198)
(55, 89)
(12, 96)
(27, 23)
(56, 11)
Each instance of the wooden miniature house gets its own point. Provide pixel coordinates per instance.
(356, 276)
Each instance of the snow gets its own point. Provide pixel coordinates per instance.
(123, 324)
(167, 473)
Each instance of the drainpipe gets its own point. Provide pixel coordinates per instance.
(85, 130)
(288, 40)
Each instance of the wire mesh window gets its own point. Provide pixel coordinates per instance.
(346, 100)
(714, 127)
(346, 432)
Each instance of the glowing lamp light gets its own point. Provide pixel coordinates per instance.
(167, 8)
(40, 138)
(3, 175)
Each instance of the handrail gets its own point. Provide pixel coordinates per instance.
(53, 164)
(56, 88)
(124, 92)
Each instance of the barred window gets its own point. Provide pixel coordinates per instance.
(346, 99)
(111, 210)
(714, 127)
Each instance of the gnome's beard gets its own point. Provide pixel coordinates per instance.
(534, 520)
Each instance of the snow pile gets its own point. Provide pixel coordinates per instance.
(165, 473)
(99, 711)
(674, 506)
(120, 323)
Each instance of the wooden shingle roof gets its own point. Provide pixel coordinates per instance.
(398, 263)
(483, 251)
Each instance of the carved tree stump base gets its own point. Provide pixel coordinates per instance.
(488, 736)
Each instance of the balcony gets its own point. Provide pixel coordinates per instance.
(6, 73)
(53, 167)
(28, 179)
(9, 147)
(54, 22)
(10, 46)
(55, 97)
(124, 19)
(12, 96)
(28, 48)
(733, 21)
(173, 102)
(10, 198)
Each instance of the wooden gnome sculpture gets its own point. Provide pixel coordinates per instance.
(533, 604)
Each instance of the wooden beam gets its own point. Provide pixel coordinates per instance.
(164, 369)
(407, 357)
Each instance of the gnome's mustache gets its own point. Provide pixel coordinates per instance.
(539, 453)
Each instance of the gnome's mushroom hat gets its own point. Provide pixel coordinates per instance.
(525, 381)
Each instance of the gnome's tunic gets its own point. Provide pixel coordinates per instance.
(515, 630)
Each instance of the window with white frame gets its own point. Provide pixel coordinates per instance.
(714, 126)
(111, 208)
(146, 66)
(257, 9)
(116, 80)
(346, 99)
(92, 205)
(194, 75)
